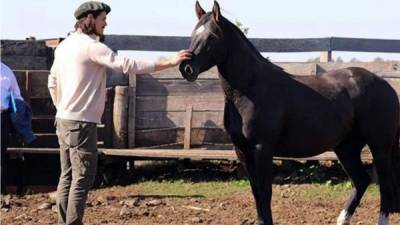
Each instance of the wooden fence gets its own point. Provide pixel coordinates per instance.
(324, 45)
(162, 110)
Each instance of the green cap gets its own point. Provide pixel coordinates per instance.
(90, 7)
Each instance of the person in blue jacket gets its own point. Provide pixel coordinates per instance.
(15, 115)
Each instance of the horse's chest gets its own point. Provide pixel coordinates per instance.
(237, 116)
(243, 121)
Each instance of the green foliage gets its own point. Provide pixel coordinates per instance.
(313, 174)
(244, 29)
(329, 190)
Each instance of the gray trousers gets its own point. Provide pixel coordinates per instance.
(78, 157)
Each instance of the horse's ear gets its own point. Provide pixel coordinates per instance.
(199, 11)
(216, 11)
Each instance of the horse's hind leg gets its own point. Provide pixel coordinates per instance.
(348, 153)
(389, 181)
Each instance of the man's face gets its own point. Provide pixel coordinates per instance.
(100, 23)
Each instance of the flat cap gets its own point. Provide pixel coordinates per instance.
(90, 7)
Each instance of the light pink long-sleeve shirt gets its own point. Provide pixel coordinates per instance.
(77, 80)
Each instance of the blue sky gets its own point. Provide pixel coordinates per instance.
(266, 19)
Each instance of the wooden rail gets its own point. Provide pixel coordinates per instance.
(197, 154)
(323, 45)
(159, 101)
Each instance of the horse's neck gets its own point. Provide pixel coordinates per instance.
(241, 69)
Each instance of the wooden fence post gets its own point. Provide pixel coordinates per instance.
(108, 119)
(325, 57)
(132, 111)
(188, 127)
(120, 117)
(28, 89)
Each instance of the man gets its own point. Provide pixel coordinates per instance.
(77, 84)
(9, 87)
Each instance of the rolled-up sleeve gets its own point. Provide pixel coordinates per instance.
(103, 55)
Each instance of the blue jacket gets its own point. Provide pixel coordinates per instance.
(21, 120)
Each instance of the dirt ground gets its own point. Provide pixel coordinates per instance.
(117, 205)
(120, 206)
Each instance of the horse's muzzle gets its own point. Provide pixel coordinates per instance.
(187, 71)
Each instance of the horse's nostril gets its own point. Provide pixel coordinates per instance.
(188, 69)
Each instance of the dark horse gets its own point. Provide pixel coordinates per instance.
(269, 112)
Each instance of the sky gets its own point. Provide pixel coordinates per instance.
(265, 19)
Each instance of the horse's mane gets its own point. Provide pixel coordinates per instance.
(235, 29)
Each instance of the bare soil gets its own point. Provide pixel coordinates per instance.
(120, 206)
(129, 205)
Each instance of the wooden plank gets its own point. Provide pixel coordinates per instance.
(42, 106)
(23, 48)
(379, 68)
(48, 140)
(325, 57)
(132, 111)
(106, 134)
(188, 127)
(21, 79)
(299, 68)
(146, 43)
(154, 87)
(159, 137)
(46, 150)
(120, 117)
(208, 154)
(43, 125)
(178, 103)
(173, 154)
(37, 83)
(28, 87)
(53, 42)
(174, 43)
(199, 136)
(152, 120)
(17, 62)
(180, 153)
(176, 76)
(365, 45)
(174, 73)
(291, 45)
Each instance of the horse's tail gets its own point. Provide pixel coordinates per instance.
(390, 182)
(396, 173)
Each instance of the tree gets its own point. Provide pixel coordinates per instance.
(354, 60)
(339, 59)
(245, 30)
(378, 59)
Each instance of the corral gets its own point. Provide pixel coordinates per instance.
(159, 116)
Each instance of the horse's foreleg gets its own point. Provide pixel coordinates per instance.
(258, 163)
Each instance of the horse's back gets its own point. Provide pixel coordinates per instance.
(324, 110)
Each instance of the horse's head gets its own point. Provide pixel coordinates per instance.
(207, 43)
